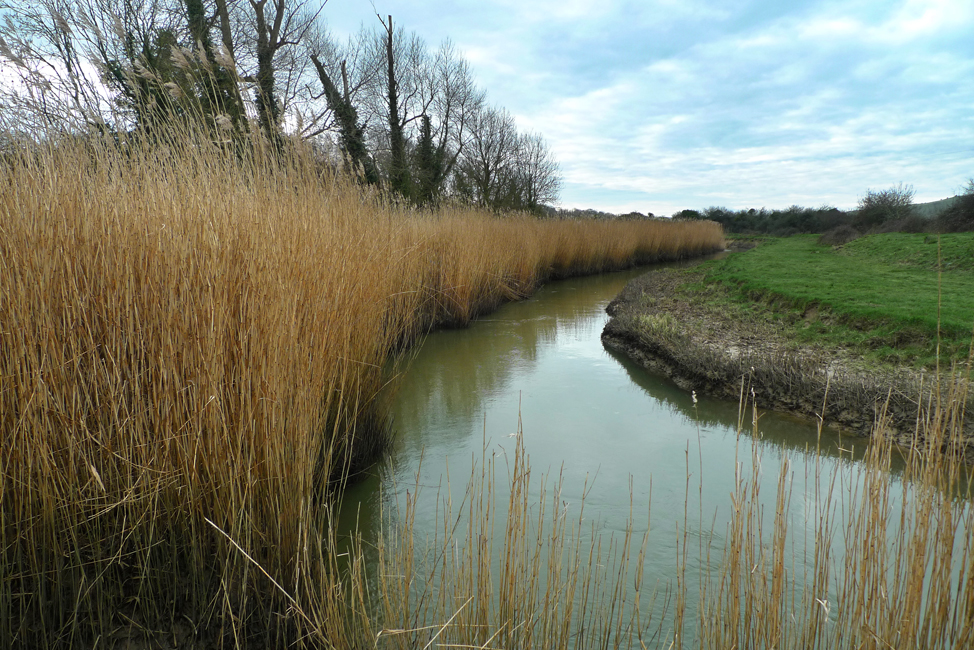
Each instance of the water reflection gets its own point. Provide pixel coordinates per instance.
(782, 430)
(611, 430)
(456, 372)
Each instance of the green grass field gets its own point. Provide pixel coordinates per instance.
(878, 294)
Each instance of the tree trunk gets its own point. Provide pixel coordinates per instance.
(398, 170)
(351, 134)
(268, 113)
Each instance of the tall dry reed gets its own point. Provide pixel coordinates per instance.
(886, 562)
(191, 347)
(525, 573)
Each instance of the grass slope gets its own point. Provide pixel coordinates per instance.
(878, 293)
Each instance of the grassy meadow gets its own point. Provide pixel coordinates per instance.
(885, 295)
(191, 350)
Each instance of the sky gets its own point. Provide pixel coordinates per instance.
(661, 105)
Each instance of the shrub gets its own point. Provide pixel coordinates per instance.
(912, 223)
(839, 235)
(960, 216)
(877, 208)
(687, 215)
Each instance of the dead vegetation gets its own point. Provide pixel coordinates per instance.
(191, 345)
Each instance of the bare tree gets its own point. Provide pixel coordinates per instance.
(401, 106)
(398, 167)
(454, 100)
(61, 53)
(278, 27)
(397, 109)
(351, 131)
(503, 170)
(90, 61)
(537, 182)
(412, 106)
(488, 159)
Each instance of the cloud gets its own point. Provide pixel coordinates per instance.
(796, 108)
(683, 103)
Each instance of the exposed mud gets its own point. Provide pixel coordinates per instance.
(710, 348)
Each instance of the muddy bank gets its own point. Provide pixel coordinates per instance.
(711, 347)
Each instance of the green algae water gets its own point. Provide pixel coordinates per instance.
(642, 452)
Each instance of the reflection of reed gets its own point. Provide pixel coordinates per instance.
(809, 552)
(456, 371)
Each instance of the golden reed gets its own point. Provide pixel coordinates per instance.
(191, 346)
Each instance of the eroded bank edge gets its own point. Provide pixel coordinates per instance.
(705, 350)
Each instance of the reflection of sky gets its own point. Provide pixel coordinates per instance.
(661, 105)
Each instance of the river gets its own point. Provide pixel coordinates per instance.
(608, 428)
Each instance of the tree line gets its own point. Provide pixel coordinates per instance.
(382, 104)
(887, 210)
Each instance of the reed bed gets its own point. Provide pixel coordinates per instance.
(191, 353)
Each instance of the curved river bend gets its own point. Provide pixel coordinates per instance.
(599, 421)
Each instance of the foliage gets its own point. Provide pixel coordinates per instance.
(960, 216)
(579, 213)
(889, 210)
(881, 207)
(429, 163)
(839, 235)
(636, 215)
(687, 215)
(793, 220)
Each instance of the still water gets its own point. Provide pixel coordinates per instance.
(606, 426)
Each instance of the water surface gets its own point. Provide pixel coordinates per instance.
(590, 416)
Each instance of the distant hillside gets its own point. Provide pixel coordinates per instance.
(934, 208)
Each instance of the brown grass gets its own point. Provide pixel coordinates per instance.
(191, 346)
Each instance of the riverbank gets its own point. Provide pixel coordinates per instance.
(680, 323)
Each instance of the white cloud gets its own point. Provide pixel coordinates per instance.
(675, 103)
(829, 28)
(929, 18)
